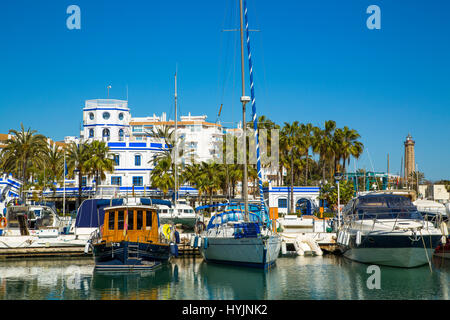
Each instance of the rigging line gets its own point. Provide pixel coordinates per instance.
(224, 81)
(261, 46)
(255, 118)
(373, 169)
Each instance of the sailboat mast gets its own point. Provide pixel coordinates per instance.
(254, 117)
(176, 146)
(244, 100)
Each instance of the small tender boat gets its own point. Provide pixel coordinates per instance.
(130, 238)
(386, 229)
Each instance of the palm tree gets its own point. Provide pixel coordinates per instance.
(99, 162)
(77, 156)
(210, 176)
(350, 146)
(161, 176)
(22, 151)
(307, 141)
(322, 144)
(54, 162)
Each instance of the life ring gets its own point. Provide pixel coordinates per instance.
(3, 222)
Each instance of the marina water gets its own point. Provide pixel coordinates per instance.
(292, 278)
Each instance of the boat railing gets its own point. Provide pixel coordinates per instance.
(395, 215)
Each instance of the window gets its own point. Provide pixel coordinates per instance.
(91, 116)
(106, 115)
(121, 116)
(139, 219)
(137, 128)
(91, 133)
(137, 160)
(138, 181)
(121, 135)
(120, 220)
(116, 181)
(117, 159)
(130, 220)
(148, 218)
(282, 203)
(111, 220)
(83, 181)
(106, 132)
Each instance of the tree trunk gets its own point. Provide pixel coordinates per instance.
(80, 179)
(306, 172)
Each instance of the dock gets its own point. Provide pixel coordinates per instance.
(44, 252)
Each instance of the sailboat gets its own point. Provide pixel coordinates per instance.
(235, 235)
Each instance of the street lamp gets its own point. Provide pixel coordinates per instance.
(338, 176)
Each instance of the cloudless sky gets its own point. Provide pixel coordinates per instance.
(313, 61)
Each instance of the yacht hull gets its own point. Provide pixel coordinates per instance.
(251, 252)
(395, 250)
(129, 255)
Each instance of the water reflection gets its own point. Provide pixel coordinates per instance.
(326, 277)
(140, 285)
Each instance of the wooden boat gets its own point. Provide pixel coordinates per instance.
(130, 239)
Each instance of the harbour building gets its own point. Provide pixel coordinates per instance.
(134, 147)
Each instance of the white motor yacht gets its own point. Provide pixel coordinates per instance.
(386, 229)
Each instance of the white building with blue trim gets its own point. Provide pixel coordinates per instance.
(306, 199)
(129, 140)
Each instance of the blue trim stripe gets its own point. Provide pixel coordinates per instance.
(117, 144)
(112, 109)
(138, 144)
(137, 149)
(105, 124)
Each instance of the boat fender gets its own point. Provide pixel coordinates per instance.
(358, 238)
(177, 237)
(339, 238)
(199, 244)
(347, 238)
(192, 241)
(86, 247)
(444, 229)
(3, 222)
(205, 243)
(283, 248)
(174, 249)
(195, 242)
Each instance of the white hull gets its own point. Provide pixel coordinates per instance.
(395, 257)
(15, 242)
(244, 251)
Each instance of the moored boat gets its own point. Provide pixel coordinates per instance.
(386, 229)
(230, 238)
(130, 238)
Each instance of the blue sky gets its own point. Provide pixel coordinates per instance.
(313, 61)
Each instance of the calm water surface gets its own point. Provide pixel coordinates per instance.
(327, 277)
